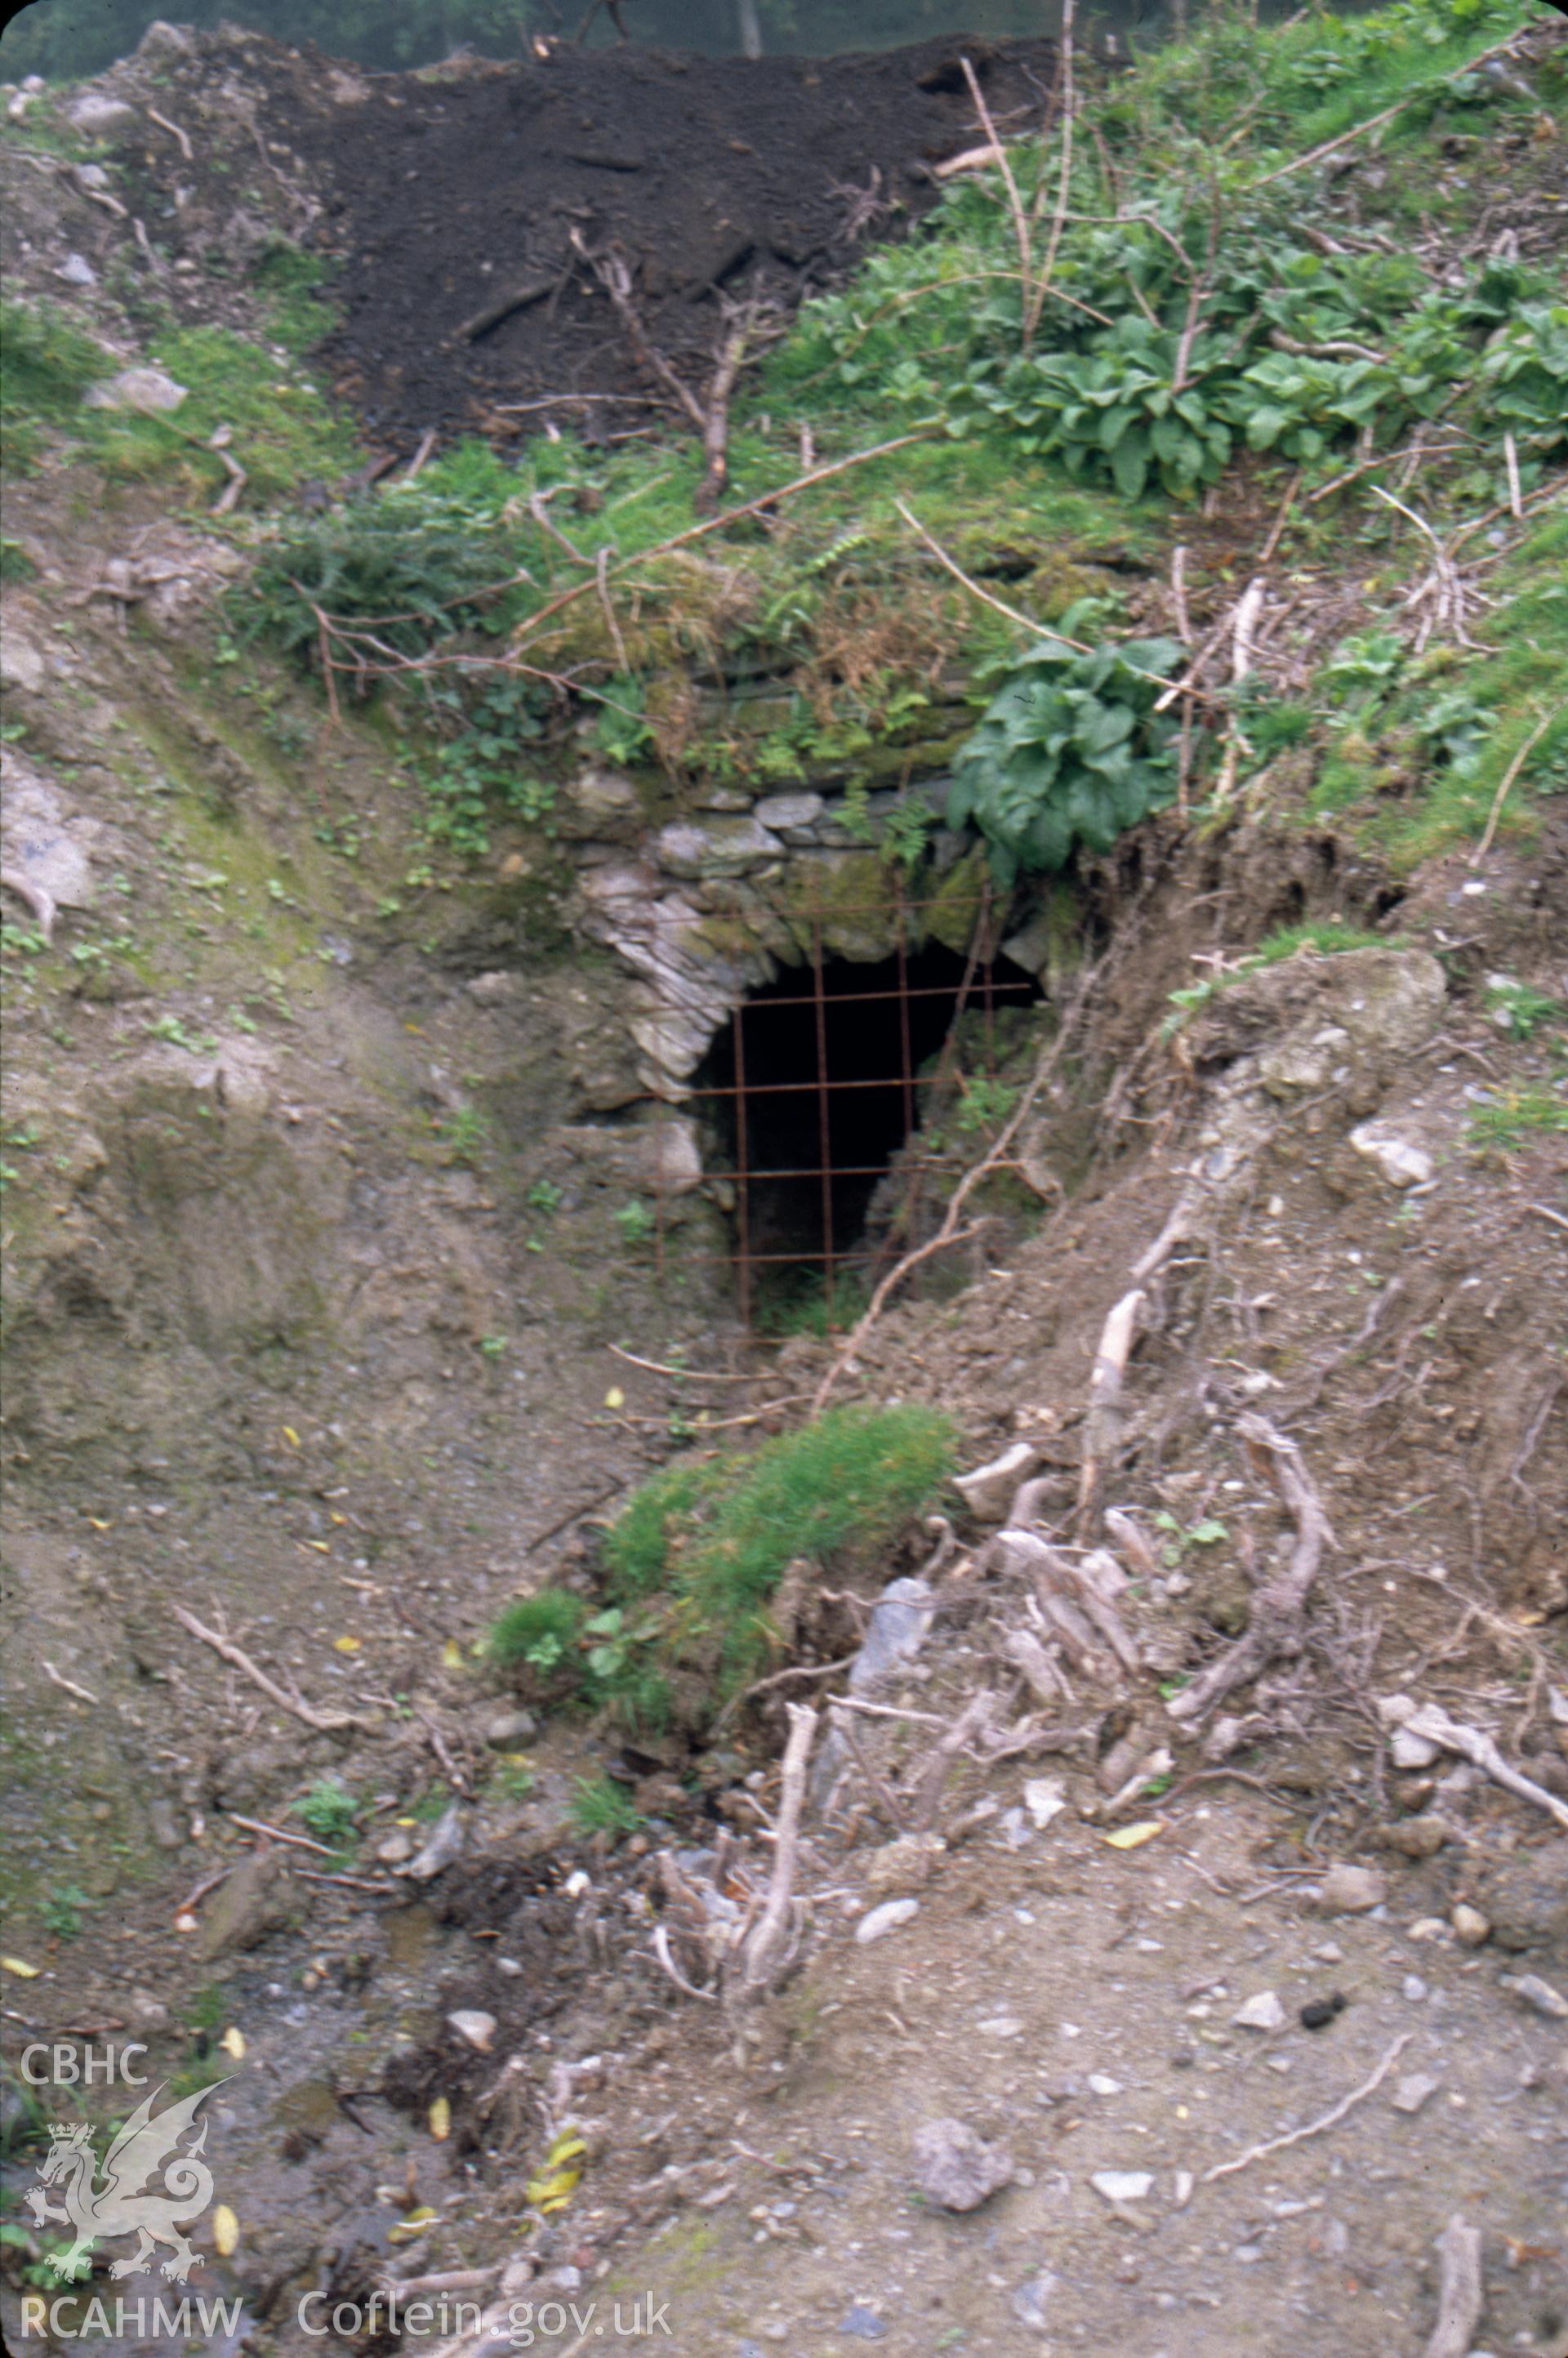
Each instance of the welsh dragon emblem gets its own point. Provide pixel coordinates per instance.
(118, 2197)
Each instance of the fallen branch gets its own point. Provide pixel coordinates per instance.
(1433, 1722)
(765, 1949)
(1059, 220)
(1331, 2119)
(933, 1776)
(1274, 1629)
(326, 1723)
(844, 1727)
(997, 153)
(1102, 1424)
(1500, 797)
(661, 1949)
(1460, 2299)
(716, 426)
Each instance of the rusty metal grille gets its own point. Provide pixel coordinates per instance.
(783, 1081)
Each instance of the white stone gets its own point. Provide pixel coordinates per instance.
(1262, 2012)
(1044, 1798)
(1471, 1926)
(1415, 2089)
(1122, 2185)
(1399, 1162)
(77, 271)
(885, 1918)
(1103, 2085)
(478, 2029)
(1409, 1750)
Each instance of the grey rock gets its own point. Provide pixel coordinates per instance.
(46, 842)
(445, 1844)
(1527, 1898)
(784, 811)
(151, 390)
(148, 2012)
(1415, 2089)
(863, 2323)
(1352, 1890)
(724, 847)
(77, 271)
(600, 805)
(1419, 1838)
(1028, 2302)
(960, 2170)
(661, 1157)
(1537, 1994)
(95, 114)
(510, 1730)
(162, 43)
(1409, 1750)
(1469, 1925)
(254, 1902)
(21, 662)
(395, 1850)
(166, 1829)
(907, 1861)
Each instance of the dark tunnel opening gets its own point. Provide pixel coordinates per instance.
(808, 1094)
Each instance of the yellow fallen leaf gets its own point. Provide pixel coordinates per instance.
(99, 1524)
(615, 1396)
(567, 2147)
(319, 1545)
(345, 1645)
(555, 2191)
(441, 2119)
(414, 2224)
(17, 1965)
(290, 1435)
(416, 1028)
(233, 2043)
(1134, 1838)
(336, 1517)
(405, 1822)
(225, 2231)
(451, 1655)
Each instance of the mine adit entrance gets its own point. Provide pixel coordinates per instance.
(817, 1084)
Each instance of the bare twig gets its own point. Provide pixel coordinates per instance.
(1065, 182)
(1014, 202)
(1179, 594)
(1505, 786)
(281, 1834)
(174, 132)
(1274, 1629)
(67, 1686)
(601, 583)
(326, 1723)
(933, 1775)
(1331, 2119)
(1102, 1424)
(661, 1946)
(1455, 1735)
(428, 441)
(1460, 2299)
(761, 1958)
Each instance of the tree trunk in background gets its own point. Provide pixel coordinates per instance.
(750, 30)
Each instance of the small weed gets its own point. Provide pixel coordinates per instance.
(987, 1104)
(61, 1911)
(545, 1196)
(329, 1811)
(1182, 1537)
(1525, 1110)
(636, 1223)
(512, 1780)
(1518, 1009)
(540, 1631)
(463, 1133)
(600, 1807)
(494, 1347)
